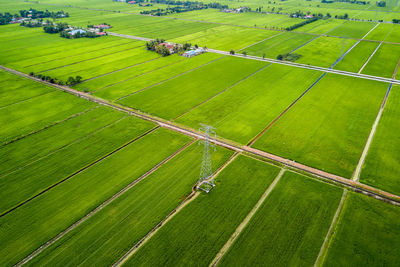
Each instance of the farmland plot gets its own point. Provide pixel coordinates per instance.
(33, 224)
(290, 226)
(175, 96)
(200, 229)
(384, 61)
(357, 57)
(367, 234)
(328, 127)
(354, 29)
(382, 165)
(247, 108)
(109, 234)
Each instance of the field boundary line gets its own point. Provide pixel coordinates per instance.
(256, 43)
(192, 196)
(63, 147)
(107, 155)
(104, 204)
(220, 92)
(329, 234)
(304, 66)
(258, 136)
(227, 24)
(26, 99)
(89, 59)
(231, 145)
(246, 220)
(48, 126)
(369, 58)
(133, 77)
(170, 78)
(44, 62)
(357, 171)
(112, 72)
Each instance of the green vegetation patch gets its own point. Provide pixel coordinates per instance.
(328, 128)
(195, 235)
(382, 165)
(357, 57)
(384, 61)
(367, 234)
(290, 226)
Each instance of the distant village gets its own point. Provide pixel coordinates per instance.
(25, 15)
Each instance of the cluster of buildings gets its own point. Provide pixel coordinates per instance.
(236, 10)
(193, 53)
(304, 17)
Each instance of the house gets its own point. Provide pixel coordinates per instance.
(101, 33)
(132, 2)
(74, 32)
(193, 53)
(102, 26)
(169, 46)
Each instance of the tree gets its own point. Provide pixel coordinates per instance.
(232, 52)
(244, 53)
(279, 57)
(78, 79)
(263, 55)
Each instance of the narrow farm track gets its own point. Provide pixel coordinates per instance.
(252, 152)
(226, 89)
(103, 205)
(329, 234)
(170, 78)
(48, 126)
(357, 171)
(62, 147)
(192, 196)
(293, 64)
(244, 223)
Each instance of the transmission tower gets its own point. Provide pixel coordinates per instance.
(206, 180)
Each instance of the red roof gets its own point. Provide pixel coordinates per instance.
(100, 33)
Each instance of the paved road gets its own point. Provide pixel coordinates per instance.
(357, 186)
(282, 62)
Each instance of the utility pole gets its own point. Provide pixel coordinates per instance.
(206, 180)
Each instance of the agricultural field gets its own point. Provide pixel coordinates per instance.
(199, 133)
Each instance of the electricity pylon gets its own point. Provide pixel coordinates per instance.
(206, 180)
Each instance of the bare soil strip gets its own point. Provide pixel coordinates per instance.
(193, 195)
(103, 205)
(48, 126)
(229, 144)
(78, 171)
(244, 223)
(357, 171)
(329, 234)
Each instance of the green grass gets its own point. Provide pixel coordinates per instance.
(129, 73)
(33, 224)
(176, 96)
(324, 51)
(18, 154)
(380, 32)
(353, 29)
(247, 108)
(357, 57)
(328, 128)
(109, 234)
(29, 180)
(125, 88)
(367, 234)
(32, 115)
(197, 232)
(15, 89)
(280, 44)
(384, 61)
(320, 26)
(381, 167)
(290, 226)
